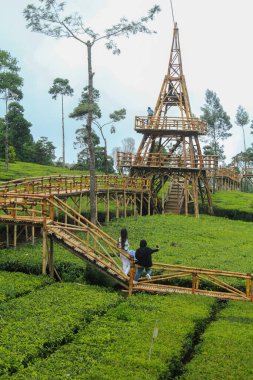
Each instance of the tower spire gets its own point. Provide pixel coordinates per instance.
(170, 149)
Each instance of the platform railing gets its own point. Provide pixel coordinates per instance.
(60, 185)
(164, 123)
(161, 160)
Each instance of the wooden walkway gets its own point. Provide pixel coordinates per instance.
(93, 245)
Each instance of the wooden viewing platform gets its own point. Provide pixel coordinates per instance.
(170, 125)
(160, 160)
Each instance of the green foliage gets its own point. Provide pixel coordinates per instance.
(44, 152)
(217, 119)
(38, 323)
(213, 149)
(116, 346)
(27, 258)
(242, 117)
(60, 87)
(16, 284)
(49, 19)
(118, 115)
(20, 136)
(27, 169)
(225, 351)
(233, 204)
(207, 242)
(7, 62)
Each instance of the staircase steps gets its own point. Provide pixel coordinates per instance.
(172, 203)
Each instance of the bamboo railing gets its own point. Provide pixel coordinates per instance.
(169, 124)
(63, 185)
(159, 160)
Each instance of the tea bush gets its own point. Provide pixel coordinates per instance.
(226, 348)
(116, 345)
(36, 324)
(15, 284)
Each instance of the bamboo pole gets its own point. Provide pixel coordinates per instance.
(117, 205)
(108, 206)
(162, 194)
(141, 204)
(7, 236)
(51, 258)
(131, 276)
(15, 236)
(44, 234)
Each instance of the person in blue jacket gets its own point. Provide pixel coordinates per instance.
(143, 257)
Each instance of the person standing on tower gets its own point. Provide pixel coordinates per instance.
(150, 112)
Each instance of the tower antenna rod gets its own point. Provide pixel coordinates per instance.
(171, 5)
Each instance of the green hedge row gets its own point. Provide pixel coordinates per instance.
(36, 324)
(16, 284)
(117, 345)
(226, 348)
(27, 258)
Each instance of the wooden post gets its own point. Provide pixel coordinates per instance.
(117, 205)
(65, 215)
(15, 236)
(248, 287)
(195, 195)
(149, 200)
(135, 205)
(26, 234)
(33, 234)
(51, 210)
(162, 194)
(251, 280)
(44, 259)
(141, 203)
(96, 207)
(7, 236)
(186, 195)
(108, 206)
(124, 200)
(51, 258)
(131, 276)
(194, 282)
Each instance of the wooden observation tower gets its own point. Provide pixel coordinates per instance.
(170, 149)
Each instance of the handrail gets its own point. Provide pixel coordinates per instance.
(173, 124)
(125, 159)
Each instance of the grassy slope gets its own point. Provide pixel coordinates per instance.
(28, 169)
(207, 242)
(233, 200)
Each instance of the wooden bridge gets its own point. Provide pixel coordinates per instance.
(93, 245)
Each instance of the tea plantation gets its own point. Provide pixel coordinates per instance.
(78, 330)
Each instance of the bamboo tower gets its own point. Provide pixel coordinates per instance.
(170, 149)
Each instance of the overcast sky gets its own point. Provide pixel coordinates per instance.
(216, 47)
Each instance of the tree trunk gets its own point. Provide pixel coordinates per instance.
(93, 205)
(63, 134)
(106, 162)
(6, 133)
(245, 165)
(105, 152)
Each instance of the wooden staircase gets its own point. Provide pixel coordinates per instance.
(85, 251)
(173, 203)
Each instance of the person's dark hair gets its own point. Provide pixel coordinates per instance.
(143, 243)
(123, 235)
